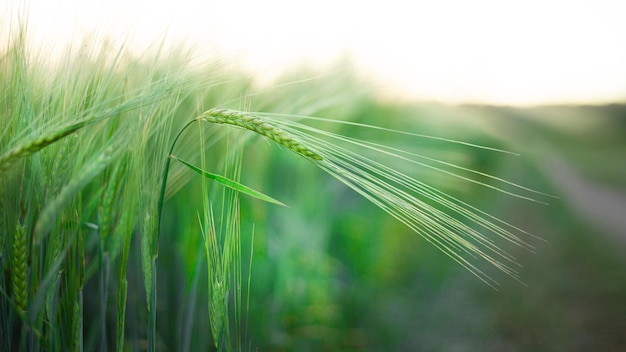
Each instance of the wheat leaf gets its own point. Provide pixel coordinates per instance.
(231, 184)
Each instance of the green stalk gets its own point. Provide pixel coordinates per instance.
(152, 312)
(152, 295)
(104, 284)
(166, 170)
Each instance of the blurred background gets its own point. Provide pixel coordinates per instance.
(485, 51)
(332, 271)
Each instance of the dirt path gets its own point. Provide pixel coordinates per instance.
(601, 205)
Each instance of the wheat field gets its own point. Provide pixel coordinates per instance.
(150, 204)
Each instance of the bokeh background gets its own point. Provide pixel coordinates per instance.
(484, 51)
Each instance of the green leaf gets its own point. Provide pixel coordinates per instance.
(231, 184)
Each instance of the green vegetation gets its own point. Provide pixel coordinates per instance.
(141, 209)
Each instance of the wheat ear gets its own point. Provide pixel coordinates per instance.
(19, 267)
(256, 124)
(32, 146)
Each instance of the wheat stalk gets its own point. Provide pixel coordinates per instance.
(3, 226)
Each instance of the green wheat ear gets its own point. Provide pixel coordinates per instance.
(19, 257)
(255, 124)
(453, 226)
(29, 147)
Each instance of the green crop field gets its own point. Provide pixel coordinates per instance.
(150, 204)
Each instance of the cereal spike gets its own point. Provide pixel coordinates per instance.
(256, 124)
(19, 268)
(32, 146)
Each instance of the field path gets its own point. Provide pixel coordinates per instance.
(601, 205)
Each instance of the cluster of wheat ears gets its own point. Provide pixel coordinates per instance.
(85, 158)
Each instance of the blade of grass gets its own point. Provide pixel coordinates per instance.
(231, 184)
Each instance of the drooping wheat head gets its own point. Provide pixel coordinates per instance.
(260, 126)
(450, 224)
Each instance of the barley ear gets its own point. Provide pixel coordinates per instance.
(19, 268)
(29, 147)
(77, 326)
(258, 125)
(217, 310)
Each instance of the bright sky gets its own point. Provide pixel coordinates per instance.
(506, 52)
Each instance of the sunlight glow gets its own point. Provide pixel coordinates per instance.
(453, 51)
